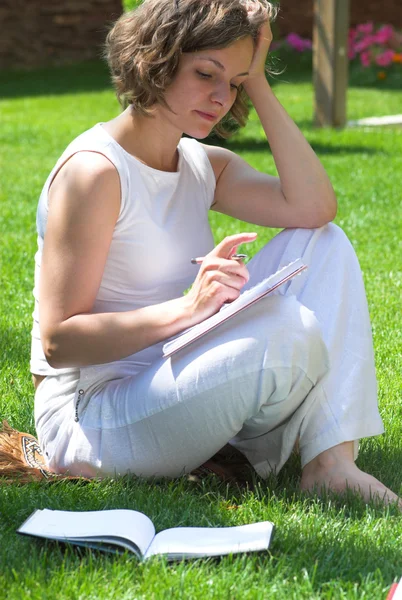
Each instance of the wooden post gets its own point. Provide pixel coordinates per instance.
(330, 61)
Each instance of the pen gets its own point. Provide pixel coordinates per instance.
(198, 261)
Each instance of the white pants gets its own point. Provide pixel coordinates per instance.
(296, 364)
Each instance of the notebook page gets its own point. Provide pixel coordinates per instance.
(192, 542)
(99, 525)
(245, 299)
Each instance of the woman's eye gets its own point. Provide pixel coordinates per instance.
(204, 75)
(209, 76)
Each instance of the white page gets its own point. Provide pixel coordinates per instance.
(191, 542)
(398, 592)
(245, 299)
(99, 525)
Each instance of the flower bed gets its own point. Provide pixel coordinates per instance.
(375, 53)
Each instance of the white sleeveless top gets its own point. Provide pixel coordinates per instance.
(163, 222)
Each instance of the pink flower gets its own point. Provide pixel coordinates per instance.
(384, 34)
(366, 28)
(370, 43)
(298, 43)
(352, 34)
(385, 58)
(365, 59)
(364, 43)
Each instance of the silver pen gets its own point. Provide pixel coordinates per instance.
(198, 261)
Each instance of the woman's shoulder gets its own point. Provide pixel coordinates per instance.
(87, 160)
(91, 157)
(215, 154)
(88, 167)
(93, 139)
(218, 157)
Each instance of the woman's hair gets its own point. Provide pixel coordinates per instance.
(144, 46)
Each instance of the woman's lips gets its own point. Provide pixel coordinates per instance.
(207, 116)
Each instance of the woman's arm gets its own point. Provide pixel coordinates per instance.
(302, 196)
(84, 202)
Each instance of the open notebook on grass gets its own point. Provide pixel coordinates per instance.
(245, 300)
(114, 530)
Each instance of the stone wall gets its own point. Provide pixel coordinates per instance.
(297, 15)
(42, 32)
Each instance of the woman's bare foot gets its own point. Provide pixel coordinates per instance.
(335, 470)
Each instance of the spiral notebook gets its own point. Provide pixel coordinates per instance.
(246, 299)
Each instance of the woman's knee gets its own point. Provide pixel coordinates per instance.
(317, 357)
(330, 232)
(335, 235)
(297, 340)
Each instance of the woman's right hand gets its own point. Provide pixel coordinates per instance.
(220, 278)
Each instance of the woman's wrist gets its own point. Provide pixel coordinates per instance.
(261, 96)
(181, 313)
(256, 85)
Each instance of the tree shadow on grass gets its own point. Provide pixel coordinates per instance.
(252, 145)
(67, 79)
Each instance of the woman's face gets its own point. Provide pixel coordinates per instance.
(205, 87)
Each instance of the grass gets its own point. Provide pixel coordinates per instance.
(329, 548)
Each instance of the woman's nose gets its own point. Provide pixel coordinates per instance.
(221, 94)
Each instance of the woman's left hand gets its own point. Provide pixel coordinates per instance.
(264, 39)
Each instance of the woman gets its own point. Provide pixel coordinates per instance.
(119, 218)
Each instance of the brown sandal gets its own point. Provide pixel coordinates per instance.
(21, 458)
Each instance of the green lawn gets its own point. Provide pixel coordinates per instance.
(328, 548)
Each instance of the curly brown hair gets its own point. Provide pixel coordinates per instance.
(143, 47)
